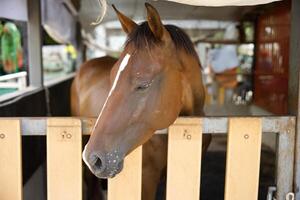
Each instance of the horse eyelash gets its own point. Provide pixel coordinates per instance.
(143, 86)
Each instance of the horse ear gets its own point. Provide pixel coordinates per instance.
(127, 24)
(154, 21)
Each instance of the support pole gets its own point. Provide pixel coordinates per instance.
(294, 94)
(35, 68)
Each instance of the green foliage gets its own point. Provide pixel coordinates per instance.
(249, 31)
(11, 49)
(1, 28)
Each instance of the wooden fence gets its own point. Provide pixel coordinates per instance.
(64, 161)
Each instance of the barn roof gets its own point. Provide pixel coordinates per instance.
(172, 9)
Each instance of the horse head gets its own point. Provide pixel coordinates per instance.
(146, 93)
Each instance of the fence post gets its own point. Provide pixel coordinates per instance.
(243, 158)
(184, 159)
(285, 159)
(10, 160)
(128, 184)
(64, 164)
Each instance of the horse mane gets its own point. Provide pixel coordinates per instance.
(142, 36)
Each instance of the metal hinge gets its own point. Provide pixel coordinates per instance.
(271, 194)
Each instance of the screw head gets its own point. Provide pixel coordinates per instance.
(2, 136)
(246, 136)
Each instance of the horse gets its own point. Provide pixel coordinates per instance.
(156, 78)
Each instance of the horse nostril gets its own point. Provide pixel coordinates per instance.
(98, 163)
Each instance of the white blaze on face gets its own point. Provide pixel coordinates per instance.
(121, 68)
(84, 157)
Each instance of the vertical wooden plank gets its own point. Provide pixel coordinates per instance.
(243, 159)
(64, 165)
(128, 184)
(10, 160)
(184, 159)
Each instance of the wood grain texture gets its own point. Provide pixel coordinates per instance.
(243, 159)
(64, 164)
(184, 159)
(10, 160)
(128, 184)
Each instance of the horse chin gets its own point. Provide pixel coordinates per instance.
(110, 172)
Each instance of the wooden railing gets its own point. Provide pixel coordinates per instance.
(64, 162)
(14, 81)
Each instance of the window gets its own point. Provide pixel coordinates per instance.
(29, 57)
(59, 60)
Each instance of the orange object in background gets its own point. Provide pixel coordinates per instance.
(227, 79)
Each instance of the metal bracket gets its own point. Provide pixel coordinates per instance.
(271, 192)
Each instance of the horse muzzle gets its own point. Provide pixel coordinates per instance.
(104, 165)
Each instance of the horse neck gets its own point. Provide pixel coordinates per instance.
(193, 89)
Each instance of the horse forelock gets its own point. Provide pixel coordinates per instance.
(142, 36)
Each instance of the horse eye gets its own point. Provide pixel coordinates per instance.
(143, 86)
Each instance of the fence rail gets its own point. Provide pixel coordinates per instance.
(15, 80)
(64, 164)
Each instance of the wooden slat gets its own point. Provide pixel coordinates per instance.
(10, 160)
(184, 159)
(243, 159)
(64, 165)
(128, 184)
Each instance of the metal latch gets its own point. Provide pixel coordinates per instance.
(290, 196)
(271, 193)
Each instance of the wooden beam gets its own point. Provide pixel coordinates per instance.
(64, 164)
(128, 184)
(10, 160)
(243, 158)
(36, 126)
(184, 159)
